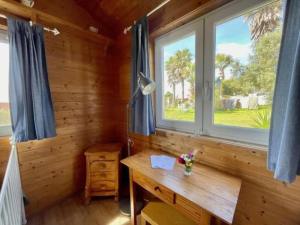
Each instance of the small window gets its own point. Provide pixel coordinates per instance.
(5, 122)
(243, 51)
(218, 79)
(176, 55)
(179, 80)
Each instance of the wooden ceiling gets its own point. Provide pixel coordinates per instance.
(118, 13)
(115, 15)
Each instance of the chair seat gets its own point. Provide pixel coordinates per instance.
(159, 213)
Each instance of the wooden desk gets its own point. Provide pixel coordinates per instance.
(205, 193)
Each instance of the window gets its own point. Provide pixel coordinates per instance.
(176, 55)
(218, 79)
(5, 124)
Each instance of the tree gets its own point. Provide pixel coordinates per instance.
(179, 68)
(168, 99)
(191, 80)
(261, 71)
(264, 19)
(222, 62)
(173, 76)
(237, 69)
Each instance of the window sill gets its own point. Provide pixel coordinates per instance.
(5, 131)
(165, 133)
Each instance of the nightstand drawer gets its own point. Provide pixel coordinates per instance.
(106, 175)
(104, 156)
(100, 166)
(97, 185)
(153, 187)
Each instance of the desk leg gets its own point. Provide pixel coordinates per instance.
(205, 218)
(132, 198)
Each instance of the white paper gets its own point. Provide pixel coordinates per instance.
(162, 162)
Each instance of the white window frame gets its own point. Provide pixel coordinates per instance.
(196, 28)
(5, 130)
(250, 135)
(204, 28)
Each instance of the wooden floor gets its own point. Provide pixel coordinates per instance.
(73, 212)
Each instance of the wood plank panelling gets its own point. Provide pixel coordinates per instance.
(11, 7)
(69, 11)
(263, 200)
(82, 87)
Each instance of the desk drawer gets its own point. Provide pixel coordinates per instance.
(188, 208)
(154, 188)
(100, 166)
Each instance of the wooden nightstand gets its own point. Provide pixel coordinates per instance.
(102, 171)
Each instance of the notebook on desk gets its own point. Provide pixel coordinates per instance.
(162, 162)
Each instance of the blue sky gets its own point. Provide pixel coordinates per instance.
(232, 37)
(235, 30)
(188, 42)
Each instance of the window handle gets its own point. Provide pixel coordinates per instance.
(207, 90)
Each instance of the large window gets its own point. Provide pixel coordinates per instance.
(218, 79)
(5, 127)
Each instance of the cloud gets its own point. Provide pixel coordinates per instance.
(237, 51)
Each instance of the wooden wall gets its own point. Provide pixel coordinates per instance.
(83, 88)
(263, 200)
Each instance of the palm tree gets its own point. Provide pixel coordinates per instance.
(264, 19)
(173, 80)
(191, 80)
(178, 68)
(222, 62)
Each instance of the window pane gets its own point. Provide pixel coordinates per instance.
(4, 63)
(179, 80)
(247, 49)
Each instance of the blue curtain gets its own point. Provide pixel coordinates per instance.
(284, 142)
(142, 113)
(30, 99)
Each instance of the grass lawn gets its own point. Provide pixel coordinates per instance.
(236, 117)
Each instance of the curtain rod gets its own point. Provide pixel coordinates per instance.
(126, 29)
(55, 31)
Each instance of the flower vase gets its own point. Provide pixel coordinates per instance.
(187, 170)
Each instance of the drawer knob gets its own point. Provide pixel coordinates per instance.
(102, 165)
(103, 174)
(157, 189)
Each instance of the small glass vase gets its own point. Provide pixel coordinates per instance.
(187, 170)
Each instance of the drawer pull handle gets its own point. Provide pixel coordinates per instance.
(157, 189)
(102, 156)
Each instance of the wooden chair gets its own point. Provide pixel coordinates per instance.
(159, 213)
